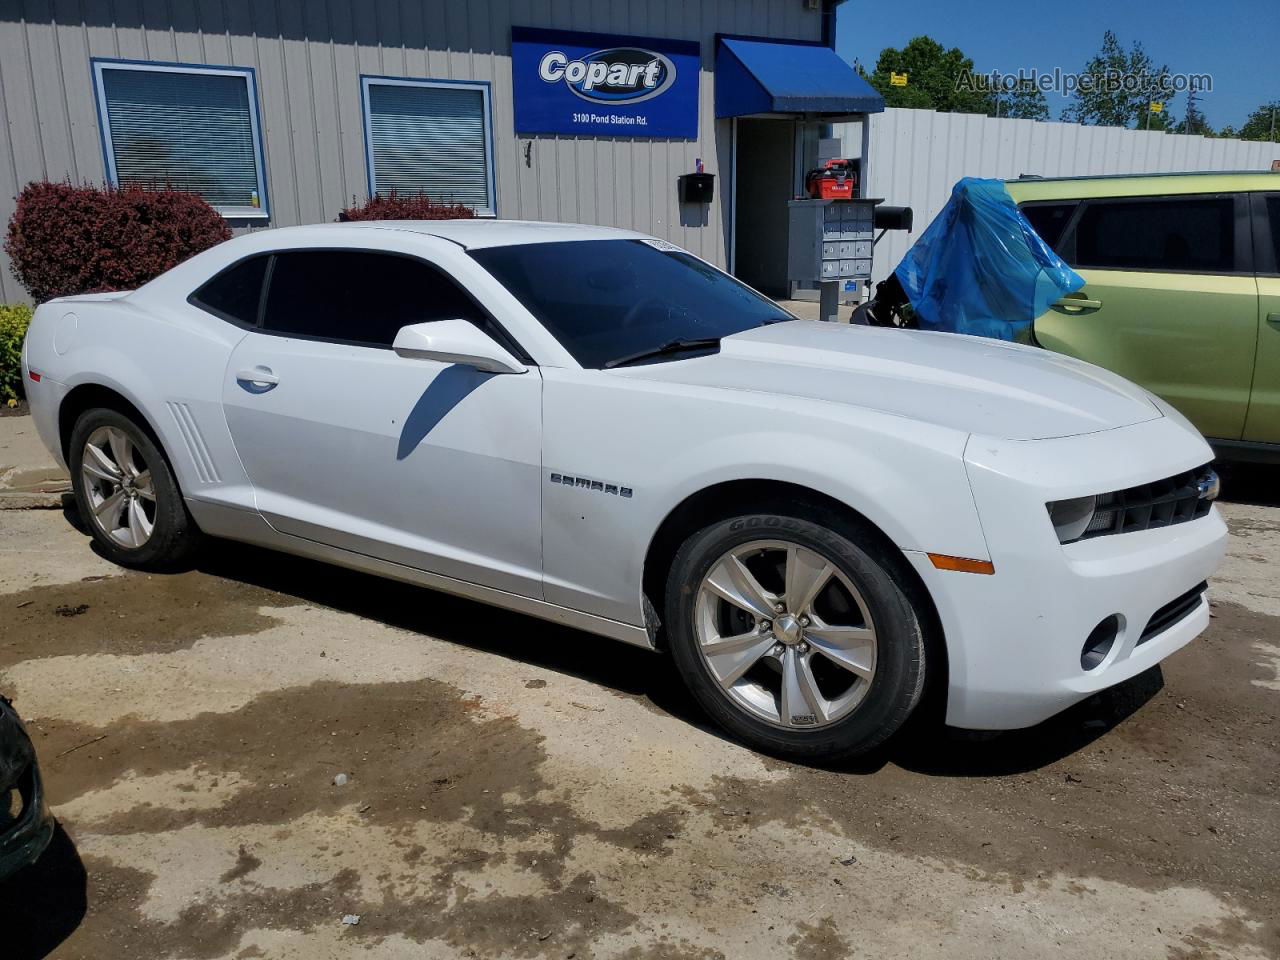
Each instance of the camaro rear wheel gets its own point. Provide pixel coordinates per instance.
(126, 493)
(796, 638)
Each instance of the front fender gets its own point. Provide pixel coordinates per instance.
(905, 477)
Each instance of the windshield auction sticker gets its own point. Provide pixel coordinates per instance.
(663, 245)
(603, 85)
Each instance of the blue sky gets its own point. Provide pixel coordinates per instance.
(1236, 41)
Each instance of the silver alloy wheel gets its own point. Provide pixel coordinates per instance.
(787, 635)
(118, 487)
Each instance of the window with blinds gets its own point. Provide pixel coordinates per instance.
(192, 128)
(429, 137)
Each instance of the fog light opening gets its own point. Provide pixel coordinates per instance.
(1099, 643)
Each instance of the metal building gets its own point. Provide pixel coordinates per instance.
(284, 112)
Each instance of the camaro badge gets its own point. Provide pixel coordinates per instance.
(584, 483)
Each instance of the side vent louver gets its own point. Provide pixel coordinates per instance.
(196, 447)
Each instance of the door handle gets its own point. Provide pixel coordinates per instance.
(1077, 303)
(260, 378)
(1274, 320)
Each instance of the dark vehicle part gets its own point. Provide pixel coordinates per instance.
(888, 308)
(26, 825)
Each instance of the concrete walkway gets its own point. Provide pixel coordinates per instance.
(29, 476)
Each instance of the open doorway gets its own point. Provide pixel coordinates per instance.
(764, 168)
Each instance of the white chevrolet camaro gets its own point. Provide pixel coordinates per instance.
(822, 524)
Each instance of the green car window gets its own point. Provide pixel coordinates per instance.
(1049, 220)
(1190, 234)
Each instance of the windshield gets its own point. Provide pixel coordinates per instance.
(606, 300)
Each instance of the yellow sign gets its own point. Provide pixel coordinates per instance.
(1156, 107)
(897, 79)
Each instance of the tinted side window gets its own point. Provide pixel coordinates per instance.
(1194, 234)
(234, 294)
(358, 297)
(1049, 220)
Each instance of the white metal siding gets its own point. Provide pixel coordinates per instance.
(309, 58)
(918, 155)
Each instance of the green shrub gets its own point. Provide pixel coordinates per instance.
(13, 327)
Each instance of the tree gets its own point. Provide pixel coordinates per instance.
(1119, 85)
(1263, 123)
(1026, 102)
(933, 74)
(1193, 121)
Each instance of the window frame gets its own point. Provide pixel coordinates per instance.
(249, 74)
(366, 122)
(492, 327)
(1242, 233)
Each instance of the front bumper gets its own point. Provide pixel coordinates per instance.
(1014, 639)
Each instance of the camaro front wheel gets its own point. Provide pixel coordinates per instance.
(796, 638)
(127, 494)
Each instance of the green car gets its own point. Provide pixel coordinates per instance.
(1181, 295)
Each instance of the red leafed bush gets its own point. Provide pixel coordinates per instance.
(65, 239)
(392, 206)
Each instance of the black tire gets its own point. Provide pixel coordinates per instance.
(174, 535)
(898, 680)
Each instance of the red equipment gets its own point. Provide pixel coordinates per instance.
(834, 180)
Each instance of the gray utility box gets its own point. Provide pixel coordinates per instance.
(830, 240)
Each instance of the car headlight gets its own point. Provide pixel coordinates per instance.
(1177, 499)
(1071, 518)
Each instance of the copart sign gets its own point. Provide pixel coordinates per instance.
(600, 85)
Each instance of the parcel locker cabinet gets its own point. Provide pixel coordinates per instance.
(830, 240)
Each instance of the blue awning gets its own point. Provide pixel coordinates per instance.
(765, 76)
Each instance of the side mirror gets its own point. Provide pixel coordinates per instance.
(455, 341)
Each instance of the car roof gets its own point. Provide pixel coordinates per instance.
(1141, 185)
(475, 233)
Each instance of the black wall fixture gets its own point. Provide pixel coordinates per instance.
(697, 187)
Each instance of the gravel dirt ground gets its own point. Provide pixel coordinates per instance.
(515, 789)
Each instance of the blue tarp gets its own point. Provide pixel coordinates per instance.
(770, 76)
(981, 269)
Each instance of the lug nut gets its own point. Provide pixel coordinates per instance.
(778, 608)
(802, 648)
(804, 621)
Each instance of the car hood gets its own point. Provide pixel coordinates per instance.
(970, 384)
